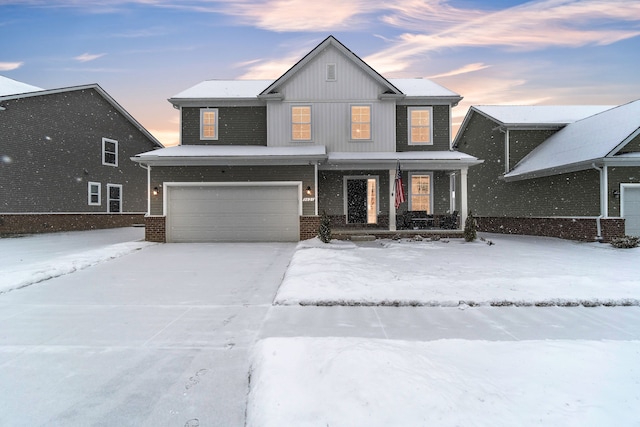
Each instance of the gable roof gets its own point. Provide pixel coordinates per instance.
(331, 41)
(583, 144)
(11, 87)
(100, 91)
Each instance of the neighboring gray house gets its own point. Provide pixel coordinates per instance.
(259, 160)
(64, 160)
(563, 171)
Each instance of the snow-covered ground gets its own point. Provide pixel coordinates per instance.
(520, 270)
(33, 258)
(362, 382)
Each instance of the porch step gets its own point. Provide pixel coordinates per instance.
(362, 238)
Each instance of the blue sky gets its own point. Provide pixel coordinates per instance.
(491, 52)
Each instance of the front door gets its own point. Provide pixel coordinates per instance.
(361, 200)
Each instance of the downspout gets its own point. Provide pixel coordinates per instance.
(603, 195)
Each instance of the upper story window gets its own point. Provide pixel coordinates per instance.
(301, 123)
(361, 122)
(94, 194)
(109, 152)
(209, 123)
(420, 125)
(421, 192)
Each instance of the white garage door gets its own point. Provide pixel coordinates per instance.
(631, 210)
(238, 213)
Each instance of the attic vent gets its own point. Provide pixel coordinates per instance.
(331, 72)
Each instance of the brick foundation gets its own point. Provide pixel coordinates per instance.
(584, 229)
(53, 222)
(309, 226)
(154, 229)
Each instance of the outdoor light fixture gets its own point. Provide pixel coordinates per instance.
(616, 193)
(308, 191)
(155, 191)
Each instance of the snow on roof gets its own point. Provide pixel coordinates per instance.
(401, 155)
(225, 89)
(13, 87)
(540, 114)
(583, 141)
(232, 151)
(421, 87)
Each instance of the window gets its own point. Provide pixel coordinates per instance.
(94, 194)
(360, 122)
(420, 188)
(420, 125)
(114, 198)
(109, 152)
(301, 123)
(209, 123)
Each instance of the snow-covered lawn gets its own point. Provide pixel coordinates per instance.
(362, 382)
(33, 258)
(520, 270)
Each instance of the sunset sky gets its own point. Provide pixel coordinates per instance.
(489, 51)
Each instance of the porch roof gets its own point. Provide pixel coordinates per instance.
(409, 160)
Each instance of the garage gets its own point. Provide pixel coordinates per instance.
(233, 212)
(630, 202)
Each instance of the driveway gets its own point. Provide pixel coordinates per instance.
(162, 336)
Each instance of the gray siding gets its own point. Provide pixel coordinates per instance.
(331, 190)
(522, 142)
(632, 147)
(575, 194)
(159, 175)
(52, 147)
(617, 176)
(236, 126)
(441, 130)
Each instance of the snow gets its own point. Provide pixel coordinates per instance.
(13, 87)
(34, 258)
(224, 89)
(404, 155)
(364, 382)
(421, 88)
(519, 270)
(513, 115)
(234, 151)
(584, 141)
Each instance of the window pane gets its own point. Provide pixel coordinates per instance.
(420, 126)
(421, 193)
(114, 193)
(361, 122)
(301, 123)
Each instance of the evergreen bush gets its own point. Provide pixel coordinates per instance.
(470, 228)
(626, 242)
(324, 231)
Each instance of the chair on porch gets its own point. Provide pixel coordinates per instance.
(449, 222)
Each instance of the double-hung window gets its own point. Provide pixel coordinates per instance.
(420, 125)
(361, 122)
(93, 194)
(301, 123)
(209, 123)
(109, 152)
(114, 198)
(420, 192)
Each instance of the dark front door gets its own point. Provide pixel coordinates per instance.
(357, 201)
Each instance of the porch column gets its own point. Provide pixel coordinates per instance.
(392, 200)
(464, 209)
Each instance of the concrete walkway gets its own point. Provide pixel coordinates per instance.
(162, 337)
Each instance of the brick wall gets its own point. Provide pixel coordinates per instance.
(155, 230)
(309, 227)
(584, 229)
(49, 223)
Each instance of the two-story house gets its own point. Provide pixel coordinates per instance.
(561, 171)
(258, 160)
(64, 160)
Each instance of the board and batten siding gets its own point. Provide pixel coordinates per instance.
(161, 174)
(236, 126)
(441, 129)
(330, 103)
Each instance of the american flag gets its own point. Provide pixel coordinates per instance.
(399, 190)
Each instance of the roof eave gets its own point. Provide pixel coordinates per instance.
(228, 160)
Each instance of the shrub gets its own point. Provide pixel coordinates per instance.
(625, 242)
(324, 231)
(470, 227)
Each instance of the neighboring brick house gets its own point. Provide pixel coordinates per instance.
(260, 159)
(562, 171)
(64, 160)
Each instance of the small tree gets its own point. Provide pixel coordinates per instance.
(470, 227)
(324, 231)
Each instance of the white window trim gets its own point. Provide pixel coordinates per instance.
(113, 141)
(310, 123)
(109, 199)
(345, 199)
(216, 125)
(410, 188)
(409, 110)
(351, 139)
(89, 193)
